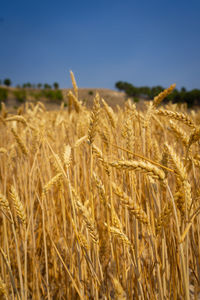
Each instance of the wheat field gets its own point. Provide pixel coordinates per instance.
(100, 204)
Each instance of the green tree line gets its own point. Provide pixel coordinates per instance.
(177, 96)
(37, 91)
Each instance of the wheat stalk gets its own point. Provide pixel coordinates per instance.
(148, 168)
(94, 118)
(19, 208)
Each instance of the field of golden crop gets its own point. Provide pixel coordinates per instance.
(97, 204)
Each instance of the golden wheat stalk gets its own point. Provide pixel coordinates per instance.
(134, 209)
(100, 187)
(73, 99)
(19, 208)
(176, 116)
(194, 137)
(56, 162)
(94, 118)
(181, 172)
(119, 233)
(80, 141)
(67, 156)
(4, 111)
(56, 180)
(148, 168)
(3, 150)
(110, 113)
(164, 217)
(158, 99)
(100, 157)
(20, 119)
(179, 133)
(3, 289)
(75, 87)
(91, 226)
(177, 163)
(4, 203)
(120, 294)
(19, 141)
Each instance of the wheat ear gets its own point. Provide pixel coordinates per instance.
(148, 168)
(134, 209)
(3, 150)
(20, 119)
(4, 203)
(73, 99)
(94, 118)
(158, 99)
(3, 289)
(176, 116)
(54, 181)
(67, 156)
(75, 87)
(87, 218)
(20, 142)
(19, 208)
(110, 113)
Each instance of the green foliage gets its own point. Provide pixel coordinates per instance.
(47, 86)
(39, 85)
(38, 95)
(20, 95)
(3, 94)
(183, 96)
(90, 93)
(136, 99)
(56, 85)
(27, 85)
(7, 82)
(53, 94)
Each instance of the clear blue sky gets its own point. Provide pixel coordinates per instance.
(144, 42)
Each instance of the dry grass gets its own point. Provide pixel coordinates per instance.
(97, 204)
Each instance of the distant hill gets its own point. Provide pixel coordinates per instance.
(17, 96)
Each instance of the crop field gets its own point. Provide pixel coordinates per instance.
(100, 203)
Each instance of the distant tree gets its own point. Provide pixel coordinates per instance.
(0, 82)
(7, 82)
(56, 85)
(47, 86)
(183, 90)
(27, 85)
(39, 85)
(155, 90)
(183, 96)
(128, 88)
(120, 85)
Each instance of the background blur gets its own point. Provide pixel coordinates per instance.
(152, 42)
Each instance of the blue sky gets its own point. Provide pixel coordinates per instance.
(144, 42)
